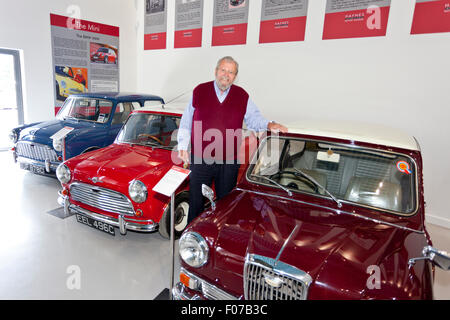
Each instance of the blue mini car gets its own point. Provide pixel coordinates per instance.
(85, 122)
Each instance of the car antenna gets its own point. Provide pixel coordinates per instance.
(171, 100)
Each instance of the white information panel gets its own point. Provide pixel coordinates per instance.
(171, 181)
(61, 133)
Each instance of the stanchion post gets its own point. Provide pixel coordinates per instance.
(172, 242)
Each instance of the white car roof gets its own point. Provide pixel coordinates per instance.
(356, 131)
(171, 108)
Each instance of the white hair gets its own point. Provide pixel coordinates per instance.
(228, 59)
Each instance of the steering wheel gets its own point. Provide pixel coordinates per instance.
(308, 182)
(146, 135)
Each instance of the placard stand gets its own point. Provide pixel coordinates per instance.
(168, 186)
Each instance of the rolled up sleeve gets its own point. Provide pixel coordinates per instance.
(254, 119)
(184, 132)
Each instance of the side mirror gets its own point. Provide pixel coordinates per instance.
(209, 194)
(439, 258)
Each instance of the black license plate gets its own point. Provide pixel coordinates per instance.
(102, 226)
(32, 168)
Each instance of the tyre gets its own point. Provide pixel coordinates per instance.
(181, 217)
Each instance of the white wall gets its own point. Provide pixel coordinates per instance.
(399, 80)
(25, 25)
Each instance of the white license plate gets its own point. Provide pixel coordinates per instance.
(32, 168)
(102, 226)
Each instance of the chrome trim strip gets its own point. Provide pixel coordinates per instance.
(258, 151)
(333, 209)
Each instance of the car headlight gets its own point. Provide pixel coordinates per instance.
(137, 191)
(63, 173)
(57, 144)
(193, 249)
(13, 136)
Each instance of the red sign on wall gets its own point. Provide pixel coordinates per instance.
(188, 23)
(431, 17)
(283, 21)
(356, 19)
(230, 22)
(155, 24)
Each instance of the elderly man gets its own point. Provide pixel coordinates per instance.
(216, 109)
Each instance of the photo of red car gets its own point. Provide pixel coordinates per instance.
(103, 53)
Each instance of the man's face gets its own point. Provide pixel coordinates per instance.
(225, 75)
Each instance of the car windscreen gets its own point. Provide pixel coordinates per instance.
(352, 174)
(88, 109)
(150, 129)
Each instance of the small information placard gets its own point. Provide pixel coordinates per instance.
(61, 133)
(171, 181)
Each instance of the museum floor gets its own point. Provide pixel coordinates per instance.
(46, 257)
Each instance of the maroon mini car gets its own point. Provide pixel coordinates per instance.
(336, 213)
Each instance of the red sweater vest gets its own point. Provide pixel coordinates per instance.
(217, 127)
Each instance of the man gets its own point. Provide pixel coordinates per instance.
(216, 109)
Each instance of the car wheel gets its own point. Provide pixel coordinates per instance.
(181, 217)
(106, 60)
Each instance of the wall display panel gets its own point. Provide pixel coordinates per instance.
(283, 20)
(188, 23)
(155, 24)
(431, 16)
(230, 19)
(356, 18)
(85, 57)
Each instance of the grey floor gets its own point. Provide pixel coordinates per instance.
(46, 257)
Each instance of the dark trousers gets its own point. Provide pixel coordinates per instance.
(224, 177)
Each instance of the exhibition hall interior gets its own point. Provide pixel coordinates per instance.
(224, 150)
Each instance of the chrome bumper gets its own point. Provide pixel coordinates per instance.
(179, 293)
(201, 290)
(49, 167)
(123, 223)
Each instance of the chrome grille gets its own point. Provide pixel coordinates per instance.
(35, 151)
(268, 279)
(101, 198)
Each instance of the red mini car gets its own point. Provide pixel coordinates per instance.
(112, 187)
(105, 55)
(332, 213)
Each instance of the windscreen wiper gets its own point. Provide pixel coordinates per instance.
(274, 182)
(307, 176)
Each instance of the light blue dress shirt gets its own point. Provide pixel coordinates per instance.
(253, 119)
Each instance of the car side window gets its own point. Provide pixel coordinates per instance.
(104, 110)
(123, 110)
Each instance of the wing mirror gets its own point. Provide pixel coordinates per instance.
(437, 257)
(209, 194)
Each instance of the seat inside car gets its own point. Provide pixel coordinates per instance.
(375, 193)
